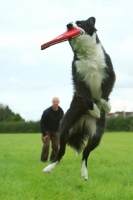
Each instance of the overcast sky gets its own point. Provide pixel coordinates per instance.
(30, 78)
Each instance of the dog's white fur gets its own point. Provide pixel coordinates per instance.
(50, 167)
(84, 171)
(90, 125)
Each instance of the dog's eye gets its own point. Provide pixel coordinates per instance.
(79, 23)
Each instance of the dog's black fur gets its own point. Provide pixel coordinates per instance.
(93, 80)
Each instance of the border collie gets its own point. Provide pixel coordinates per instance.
(93, 80)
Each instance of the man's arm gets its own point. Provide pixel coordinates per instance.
(42, 123)
(42, 126)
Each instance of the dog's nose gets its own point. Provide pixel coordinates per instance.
(70, 25)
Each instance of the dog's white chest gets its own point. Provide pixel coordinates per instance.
(92, 73)
(91, 62)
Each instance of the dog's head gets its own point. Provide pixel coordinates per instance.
(88, 26)
(82, 43)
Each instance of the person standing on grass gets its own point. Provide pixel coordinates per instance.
(49, 123)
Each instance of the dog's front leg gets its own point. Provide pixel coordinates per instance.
(106, 105)
(95, 112)
(93, 109)
(85, 94)
(107, 85)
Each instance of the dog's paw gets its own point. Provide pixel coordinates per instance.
(50, 167)
(95, 112)
(84, 171)
(106, 105)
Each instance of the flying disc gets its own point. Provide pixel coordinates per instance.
(74, 32)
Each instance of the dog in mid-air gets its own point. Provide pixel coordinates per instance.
(93, 80)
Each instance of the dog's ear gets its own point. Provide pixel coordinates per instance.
(91, 21)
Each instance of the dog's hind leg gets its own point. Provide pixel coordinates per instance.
(50, 167)
(61, 152)
(93, 142)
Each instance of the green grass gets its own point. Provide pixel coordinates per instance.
(110, 170)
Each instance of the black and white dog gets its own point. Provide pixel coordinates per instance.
(93, 80)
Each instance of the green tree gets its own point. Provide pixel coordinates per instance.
(17, 118)
(6, 114)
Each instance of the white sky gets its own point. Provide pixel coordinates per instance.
(30, 78)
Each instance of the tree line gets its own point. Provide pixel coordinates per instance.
(14, 123)
(120, 123)
(11, 122)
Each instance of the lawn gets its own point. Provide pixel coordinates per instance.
(110, 170)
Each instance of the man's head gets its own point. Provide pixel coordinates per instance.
(55, 102)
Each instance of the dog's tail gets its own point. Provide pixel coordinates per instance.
(77, 138)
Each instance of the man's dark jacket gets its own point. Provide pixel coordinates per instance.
(50, 120)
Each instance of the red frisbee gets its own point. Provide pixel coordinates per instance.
(74, 32)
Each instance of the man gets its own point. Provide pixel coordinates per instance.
(49, 123)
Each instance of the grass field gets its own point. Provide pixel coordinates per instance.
(110, 170)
